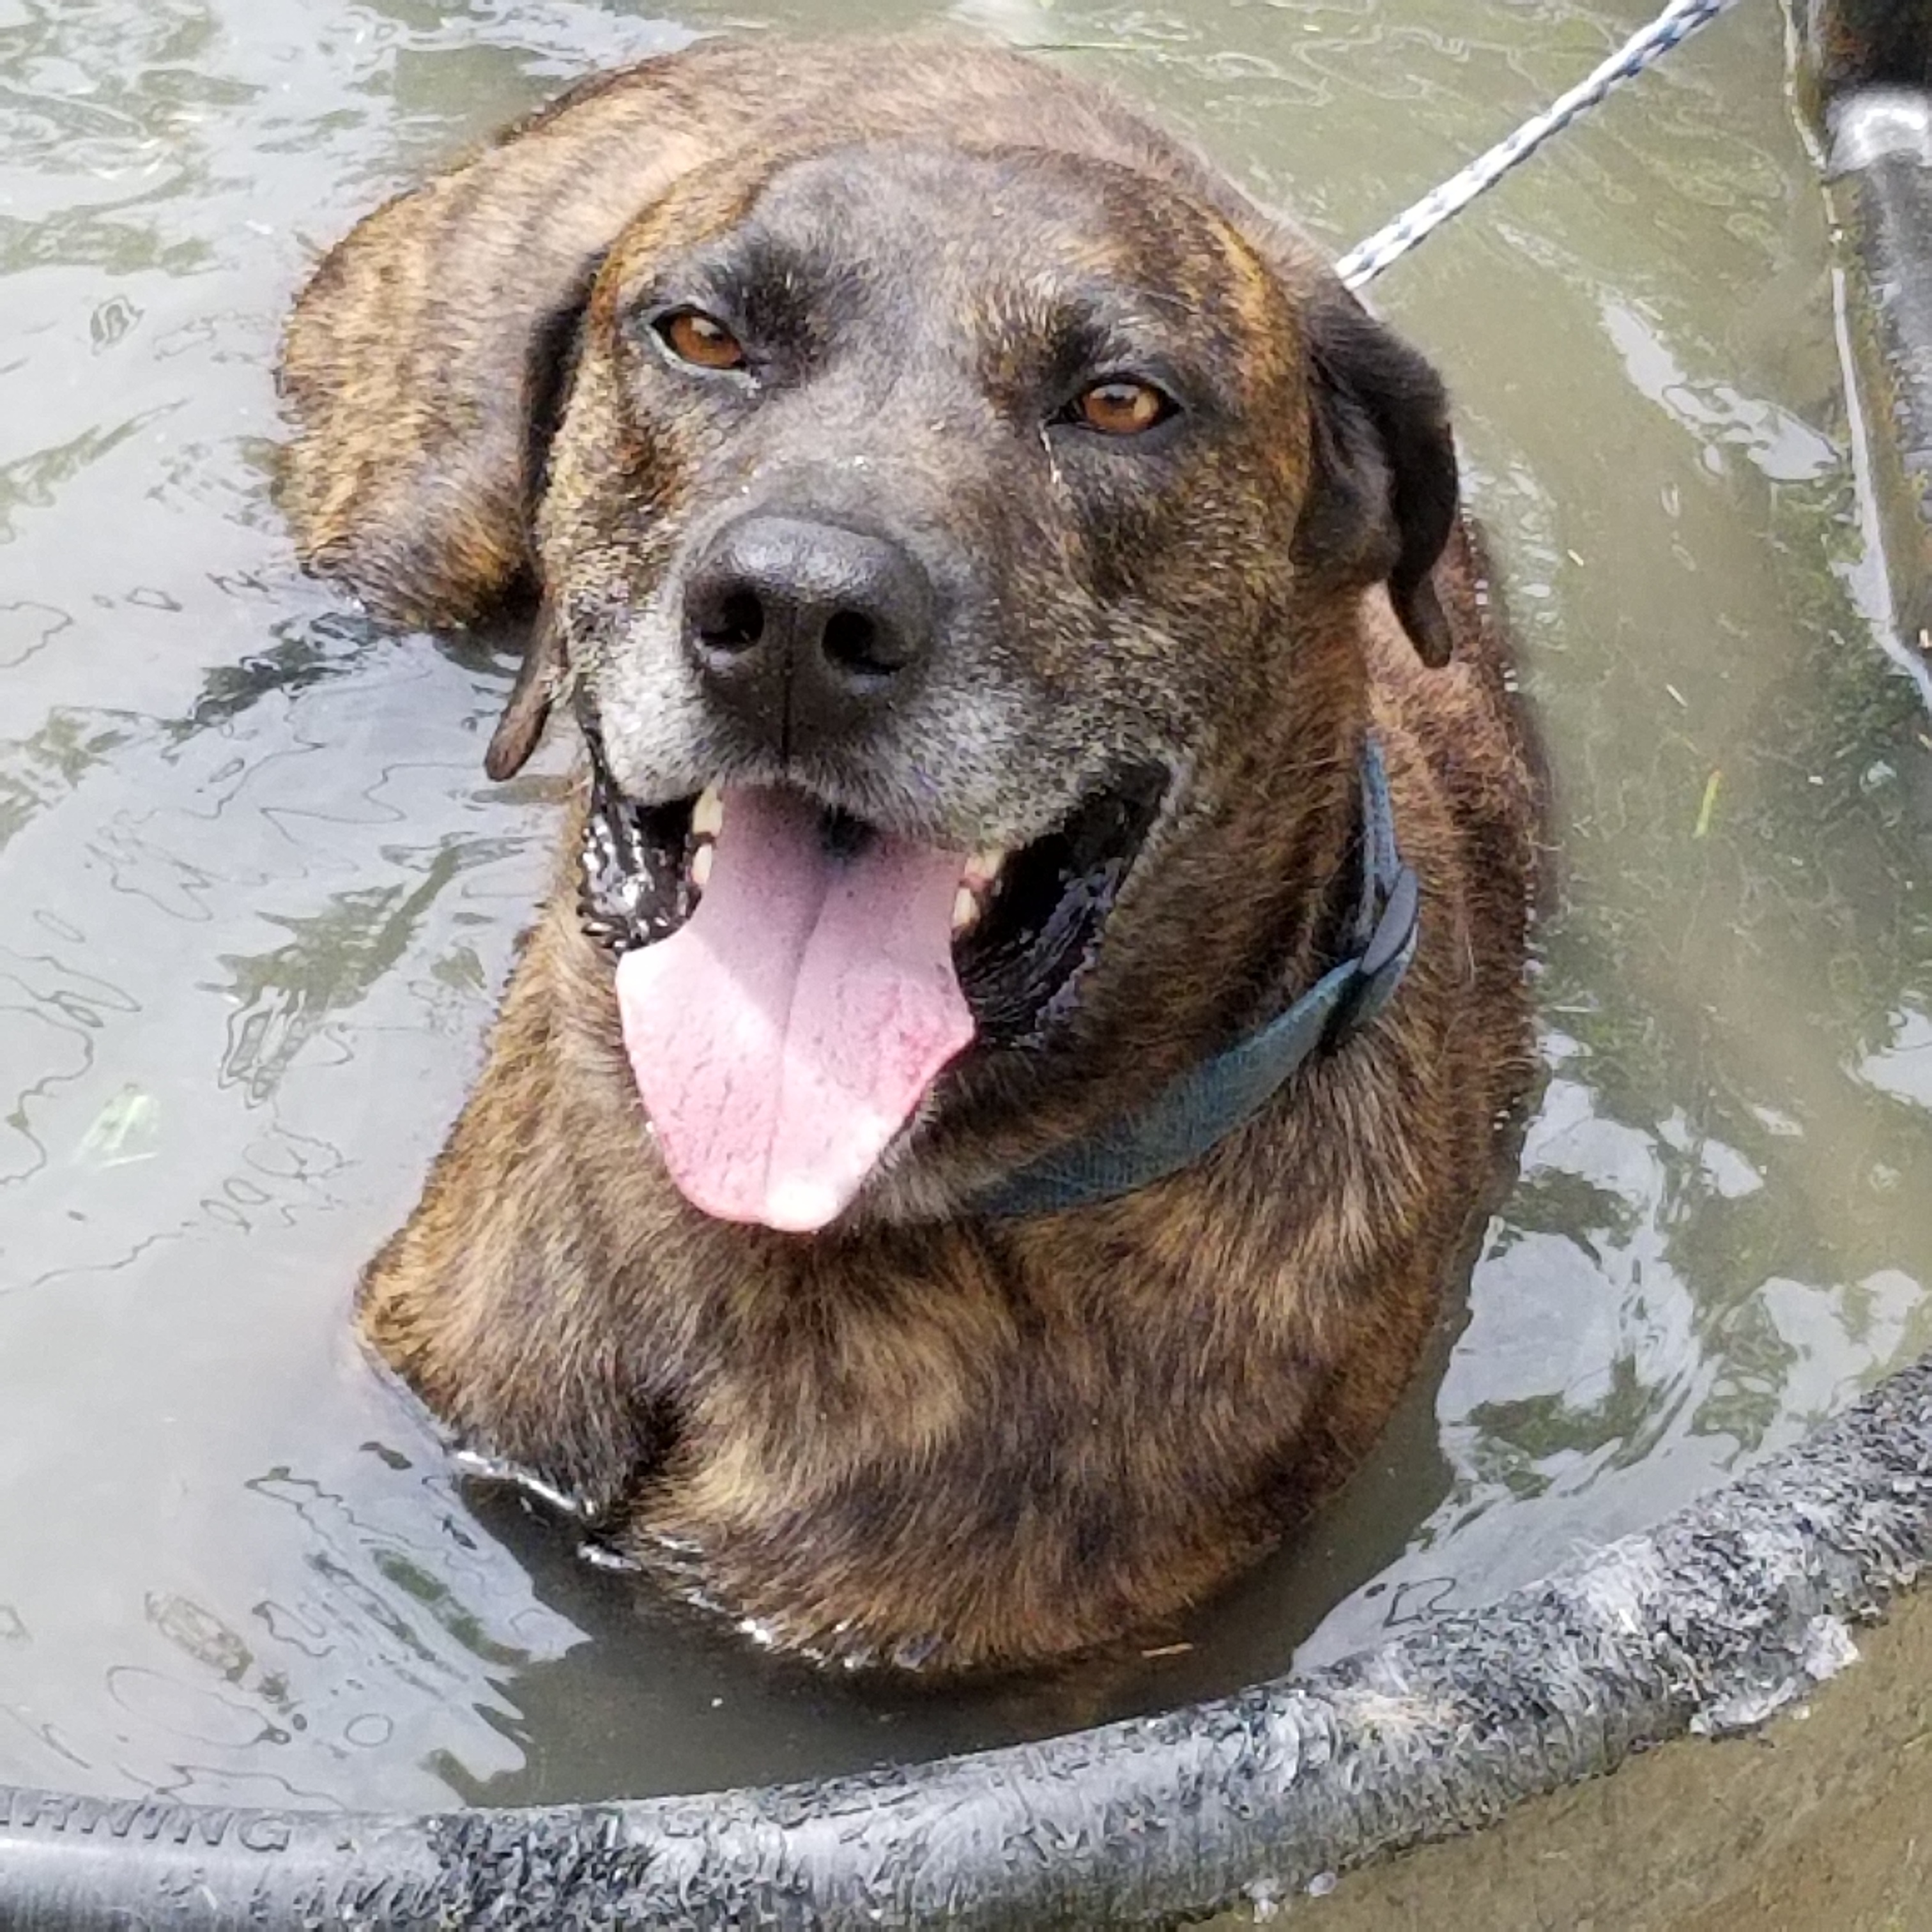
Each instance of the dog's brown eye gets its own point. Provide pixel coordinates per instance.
(1122, 406)
(700, 340)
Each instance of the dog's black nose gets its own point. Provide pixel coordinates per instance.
(806, 628)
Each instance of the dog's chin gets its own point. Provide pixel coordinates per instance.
(792, 980)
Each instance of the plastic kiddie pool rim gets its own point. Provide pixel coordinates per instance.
(1731, 1610)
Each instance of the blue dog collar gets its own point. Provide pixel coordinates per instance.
(1211, 1101)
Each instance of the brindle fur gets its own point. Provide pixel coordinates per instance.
(924, 1432)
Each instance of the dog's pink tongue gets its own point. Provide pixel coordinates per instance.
(784, 1033)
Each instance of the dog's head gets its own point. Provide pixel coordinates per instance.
(949, 540)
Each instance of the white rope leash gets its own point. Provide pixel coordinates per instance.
(1674, 25)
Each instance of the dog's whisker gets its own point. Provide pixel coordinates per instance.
(1052, 460)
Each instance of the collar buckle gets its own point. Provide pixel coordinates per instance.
(1384, 961)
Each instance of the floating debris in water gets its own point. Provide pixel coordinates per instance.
(127, 1129)
(1708, 805)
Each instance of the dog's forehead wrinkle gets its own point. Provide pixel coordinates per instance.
(998, 213)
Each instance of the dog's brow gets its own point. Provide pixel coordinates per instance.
(1107, 326)
(770, 287)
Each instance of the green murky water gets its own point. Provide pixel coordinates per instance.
(256, 896)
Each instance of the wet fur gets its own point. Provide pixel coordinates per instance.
(924, 1436)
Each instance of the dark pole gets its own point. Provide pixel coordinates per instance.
(1856, 43)
(1865, 73)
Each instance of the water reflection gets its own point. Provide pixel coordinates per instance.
(259, 897)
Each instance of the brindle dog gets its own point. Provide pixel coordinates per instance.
(977, 542)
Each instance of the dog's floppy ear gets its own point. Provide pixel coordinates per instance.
(540, 678)
(1382, 496)
(428, 358)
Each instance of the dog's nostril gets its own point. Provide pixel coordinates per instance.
(737, 623)
(855, 644)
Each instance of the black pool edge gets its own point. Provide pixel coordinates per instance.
(1732, 1609)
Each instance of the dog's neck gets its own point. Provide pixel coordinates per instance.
(1221, 1092)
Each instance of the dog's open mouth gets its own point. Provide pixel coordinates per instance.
(792, 980)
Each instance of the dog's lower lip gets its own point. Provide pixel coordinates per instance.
(1026, 922)
(1040, 923)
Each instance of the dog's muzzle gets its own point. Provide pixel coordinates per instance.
(791, 980)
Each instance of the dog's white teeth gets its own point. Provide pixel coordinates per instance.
(976, 887)
(983, 868)
(707, 820)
